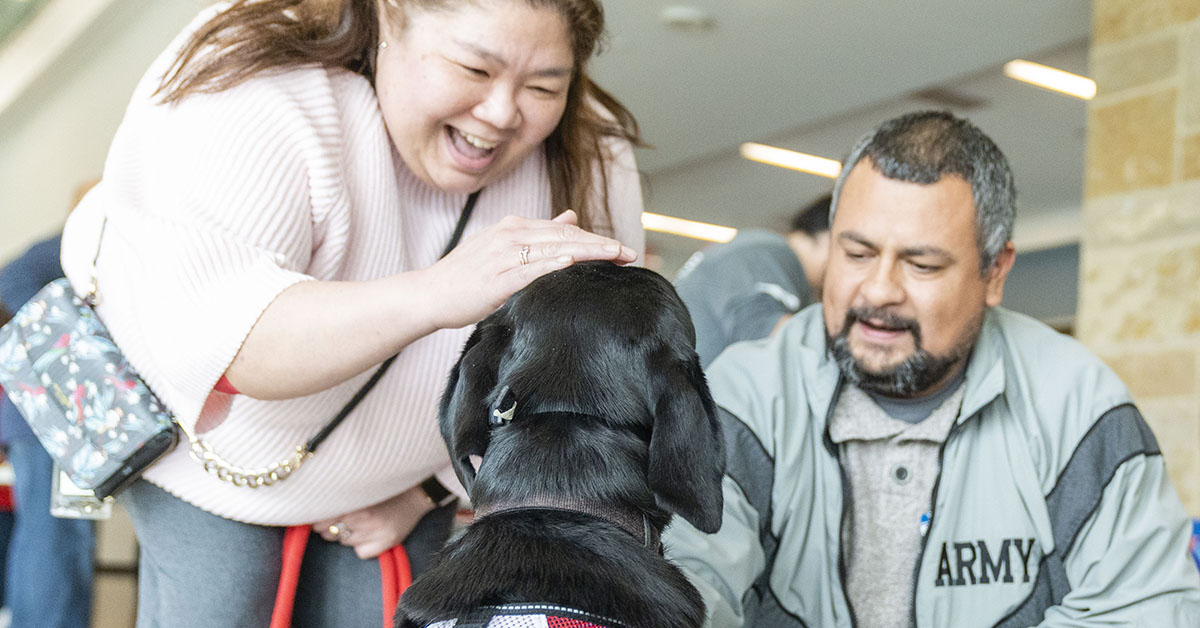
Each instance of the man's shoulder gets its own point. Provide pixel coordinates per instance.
(1056, 388)
(43, 253)
(1037, 348)
(783, 369)
(748, 249)
(754, 244)
(21, 278)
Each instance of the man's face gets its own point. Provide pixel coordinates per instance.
(903, 295)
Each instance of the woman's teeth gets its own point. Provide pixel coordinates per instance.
(477, 142)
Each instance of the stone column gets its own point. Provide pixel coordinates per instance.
(1139, 305)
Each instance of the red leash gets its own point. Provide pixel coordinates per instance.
(397, 575)
(394, 570)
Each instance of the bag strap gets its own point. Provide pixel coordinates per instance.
(93, 294)
(311, 446)
(203, 452)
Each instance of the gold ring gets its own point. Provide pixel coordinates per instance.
(524, 254)
(340, 531)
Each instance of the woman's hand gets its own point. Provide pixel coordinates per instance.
(374, 529)
(317, 334)
(481, 273)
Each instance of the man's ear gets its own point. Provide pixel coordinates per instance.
(998, 274)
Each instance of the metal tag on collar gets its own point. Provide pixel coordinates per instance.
(503, 417)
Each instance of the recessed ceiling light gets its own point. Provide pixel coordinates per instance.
(1050, 78)
(687, 228)
(784, 158)
(684, 17)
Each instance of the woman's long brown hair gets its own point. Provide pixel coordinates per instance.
(254, 36)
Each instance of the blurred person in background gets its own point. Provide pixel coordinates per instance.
(745, 289)
(270, 223)
(6, 508)
(48, 580)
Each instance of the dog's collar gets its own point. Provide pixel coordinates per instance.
(631, 520)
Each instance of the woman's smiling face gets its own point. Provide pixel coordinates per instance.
(468, 92)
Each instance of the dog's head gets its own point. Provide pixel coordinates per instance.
(613, 343)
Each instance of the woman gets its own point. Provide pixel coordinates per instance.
(270, 222)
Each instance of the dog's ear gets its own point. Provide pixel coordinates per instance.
(687, 446)
(463, 414)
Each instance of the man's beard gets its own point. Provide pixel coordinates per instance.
(916, 374)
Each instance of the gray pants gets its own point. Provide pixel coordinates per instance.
(200, 570)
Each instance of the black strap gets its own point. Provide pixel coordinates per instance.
(462, 223)
(378, 375)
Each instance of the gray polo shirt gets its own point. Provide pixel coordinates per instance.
(892, 465)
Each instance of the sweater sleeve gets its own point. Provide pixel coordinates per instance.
(208, 207)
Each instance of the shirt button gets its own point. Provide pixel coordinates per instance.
(901, 474)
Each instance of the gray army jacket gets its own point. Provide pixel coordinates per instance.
(1052, 506)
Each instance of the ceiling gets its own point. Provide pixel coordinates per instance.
(14, 13)
(815, 75)
(810, 75)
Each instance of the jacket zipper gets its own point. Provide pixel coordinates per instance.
(847, 502)
(937, 483)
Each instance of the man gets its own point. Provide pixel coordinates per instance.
(6, 515)
(744, 289)
(910, 454)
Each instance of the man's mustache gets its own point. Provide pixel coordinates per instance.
(879, 317)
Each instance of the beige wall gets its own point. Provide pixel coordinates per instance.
(55, 134)
(1140, 276)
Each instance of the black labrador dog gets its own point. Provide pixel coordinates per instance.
(583, 402)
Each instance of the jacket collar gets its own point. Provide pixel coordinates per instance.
(985, 370)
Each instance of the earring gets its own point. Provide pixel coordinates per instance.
(382, 45)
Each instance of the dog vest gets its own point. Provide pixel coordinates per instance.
(528, 616)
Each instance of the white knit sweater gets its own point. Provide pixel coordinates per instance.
(218, 204)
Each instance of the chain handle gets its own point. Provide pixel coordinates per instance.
(202, 452)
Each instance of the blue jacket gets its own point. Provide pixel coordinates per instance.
(739, 290)
(19, 281)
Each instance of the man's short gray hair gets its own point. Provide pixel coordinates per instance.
(923, 147)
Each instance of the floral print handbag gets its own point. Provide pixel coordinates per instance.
(82, 399)
(94, 414)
